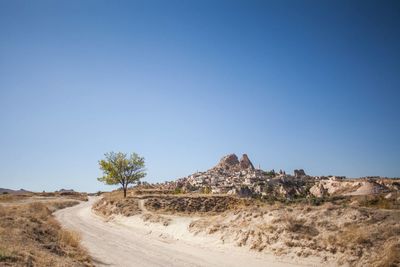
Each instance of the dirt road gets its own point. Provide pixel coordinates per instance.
(114, 244)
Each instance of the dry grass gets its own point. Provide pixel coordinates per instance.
(67, 195)
(299, 226)
(8, 198)
(346, 235)
(380, 201)
(391, 255)
(69, 238)
(189, 204)
(30, 236)
(155, 218)
(355, 231)
(113, 204)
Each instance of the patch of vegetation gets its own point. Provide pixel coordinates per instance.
(30, 236)
(6, 256)
(379, 202)
(178, 190)
(206, 190)
(194, 204)
(270, 173)
(113, 204)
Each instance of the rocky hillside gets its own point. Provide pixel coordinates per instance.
(239, 177)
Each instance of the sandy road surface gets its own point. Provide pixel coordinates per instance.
(114, 244)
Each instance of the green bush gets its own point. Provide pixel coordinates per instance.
(178, 190)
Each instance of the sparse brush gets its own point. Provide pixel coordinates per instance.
(299, 226)
(30, 236)
(6, 256)
(68, 238)
(378, 201)
(57, 205)
(353, 235)
(391, 254)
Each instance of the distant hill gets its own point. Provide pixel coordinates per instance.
(15, 192)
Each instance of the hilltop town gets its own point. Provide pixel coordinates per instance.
(234, 176)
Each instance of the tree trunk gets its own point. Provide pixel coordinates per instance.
(125, 192)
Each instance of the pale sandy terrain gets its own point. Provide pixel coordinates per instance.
(125, 241)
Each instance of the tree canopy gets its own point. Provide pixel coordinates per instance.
(118, 168)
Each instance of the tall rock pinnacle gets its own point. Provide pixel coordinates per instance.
(245, 163)
(228, 162)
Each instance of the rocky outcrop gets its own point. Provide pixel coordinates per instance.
(299, 173)
(229, 162)
(318, 190)
(368, 188)
(232, 163)
(245, 163)
(239, 177)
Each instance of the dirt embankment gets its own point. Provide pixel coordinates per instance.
(169, 204)
(358, 231)
(346, 235)
(30, 236)
(194, 204)
(111, 205)
(150, 207)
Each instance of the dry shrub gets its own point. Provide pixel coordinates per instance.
(353, 235)
(39, 210)
(155, 218)
(57, 205)
(389, 255)
(299, 226)
(269, 228)
(69, 238)
(7, 256)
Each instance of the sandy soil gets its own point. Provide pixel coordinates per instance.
(129, 241)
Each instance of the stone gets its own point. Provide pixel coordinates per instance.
(318, 190)
(299, 173)
(245, 162)
(230, 161)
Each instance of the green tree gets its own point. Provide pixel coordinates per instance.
(118, 168)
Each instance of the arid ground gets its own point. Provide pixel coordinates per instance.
(131, 241)
(31, 236)
(153, 229)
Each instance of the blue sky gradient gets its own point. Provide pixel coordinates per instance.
(294, 84)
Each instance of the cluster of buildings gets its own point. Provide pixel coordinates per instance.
(239, 177)
(234, 176)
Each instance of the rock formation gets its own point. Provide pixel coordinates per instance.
(239, 177)
(229, 162)
(232, 163)
(299, 173)
(245, 163)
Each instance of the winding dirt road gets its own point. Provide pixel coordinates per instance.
(114, 244)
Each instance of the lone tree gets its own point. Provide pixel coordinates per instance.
(118, 168)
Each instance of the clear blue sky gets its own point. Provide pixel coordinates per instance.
(294, 84)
